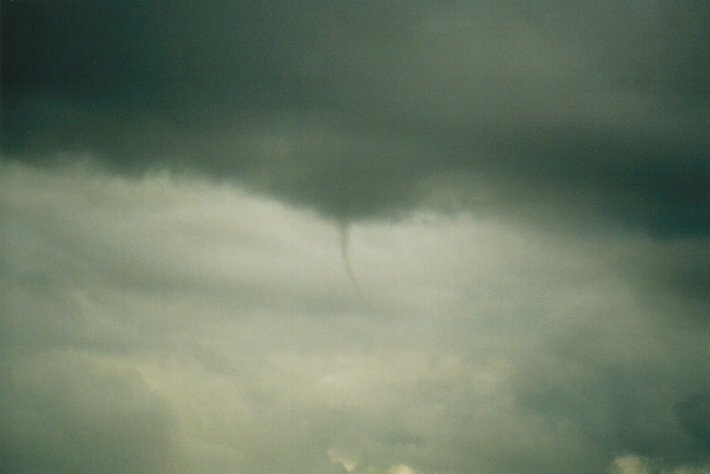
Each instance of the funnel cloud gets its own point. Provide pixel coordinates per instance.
(344, 235)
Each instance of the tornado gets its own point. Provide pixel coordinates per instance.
(344, 234)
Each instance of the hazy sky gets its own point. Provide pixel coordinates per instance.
(368, 237)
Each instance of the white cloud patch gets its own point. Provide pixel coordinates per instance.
(401, 469)
(633, 464)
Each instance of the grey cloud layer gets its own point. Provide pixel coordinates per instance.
(357, 108)
(157, 325)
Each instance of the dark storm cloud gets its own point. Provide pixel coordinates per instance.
(353, 108)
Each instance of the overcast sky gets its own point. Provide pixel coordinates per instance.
(367, 237)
